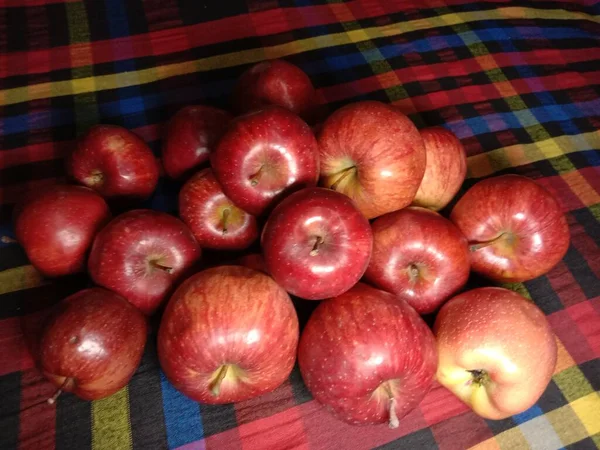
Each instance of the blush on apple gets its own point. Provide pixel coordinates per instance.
(275, 82)
(445, 170)
(56, 227)
(114, 162)
(264, 156)
(212, 217)
(367, 356)
(419, 256)
(191, 134)
(92, 344)
(497, 352)
(228, 334)
(316, 243)
(141, 254)
(374, 154)
(515, 228)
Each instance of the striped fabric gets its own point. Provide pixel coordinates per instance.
(517, 81)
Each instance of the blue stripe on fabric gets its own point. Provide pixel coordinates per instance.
(531, 413)
(182, 416)
(116, 16)
(592, 156)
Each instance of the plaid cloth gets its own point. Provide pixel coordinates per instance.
(517, 81)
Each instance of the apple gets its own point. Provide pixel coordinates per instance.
(275, 82)
(264, 156)
(316, 243)
(114, 162)
(92, 344)
(419, 256)
(228, 334)
(141, 254)
(191, 134)
(497, 352)
(56, 227)
(445, 170)
(515, 228)
(367, 356)
(374, 154)
(212, 217)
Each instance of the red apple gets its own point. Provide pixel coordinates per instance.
(114, 162)
(212, 217)
(56, 227)
(445, 170)
(264, 156)
(92, 344)
(419, 256)
(515, 228)
(141, 254)
(192, 133)
(275, 82)
(316, 243)
(367, 356)
(497, 352)
(228, 334)
(374, 154)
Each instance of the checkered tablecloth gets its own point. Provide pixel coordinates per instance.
(517, 81)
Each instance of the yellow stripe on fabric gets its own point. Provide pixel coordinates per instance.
(512, 439)
(113, 81)
(19, 278)
(567, 424)
(588, 410)
(111, 428)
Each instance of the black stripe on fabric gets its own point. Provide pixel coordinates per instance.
(33, 171)
(299, 390)
(217, 418)
(591, 371)
(584, 276)
(58, 25)
(423, 439)
(589, 223)
(193, 12)
(12, 255)
(16, 23)
(10, 406)
(543, 294)
(73, 423)
(145, 403)
(552, 398)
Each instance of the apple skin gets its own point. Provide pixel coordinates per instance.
(141, 254)
(316, 243)
(230, 321)
(275, 82)
(92, 343)
(212, 217)
(365, 353)
(114, 162)
(506, 339)
(56, 227)
(264, 156)
(419, 256)
(374, 154)
(445, 170)
(515, 228)
(191, 134)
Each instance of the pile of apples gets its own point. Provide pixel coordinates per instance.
(368, 242)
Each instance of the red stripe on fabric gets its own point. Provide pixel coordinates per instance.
(586, 246)
(440, 404)
(37, 420)
(271, 403)
(562, 192)
(566, 287)
(13, 193)
(282, 430)
(229, 439)
(270, 22)
(588, 323)
(14, 355)
(460, 432)
(592, 176)
(571, 336)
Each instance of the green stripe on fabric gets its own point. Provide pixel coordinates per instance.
(111, 427)
(573, 384)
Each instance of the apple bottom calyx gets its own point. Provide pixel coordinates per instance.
(67, 385)
(96, 178)
(385, 391)
(316, 246)
(509, 239)
(479, 377)
(154, 263)
(224, 220)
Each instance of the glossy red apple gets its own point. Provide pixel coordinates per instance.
(92, 344)
(264, 156)
(515, 228)
(419, 256)
(316, 243)
(141, 254)
(191, 134)
(497, 352)
(367, 356)
(56, 227)
(228, 334)
(445, 170)
(212, 217)
(114, 162)
(374, 154)
(275, 82)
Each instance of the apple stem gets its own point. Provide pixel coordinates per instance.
(215, 385)
(315, 249)
(479, 245)
(59, 391)
(393, 422)
(254, 179)
(226, 213)
(342, 175)
(96, 178)
(159, 266)
(413, 271)
(8, 240)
